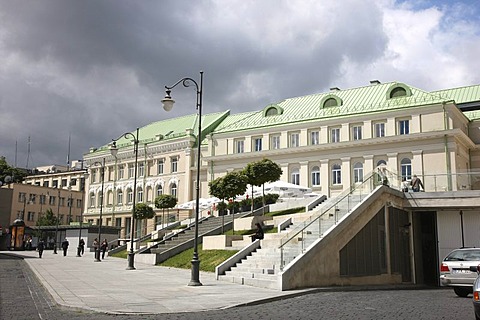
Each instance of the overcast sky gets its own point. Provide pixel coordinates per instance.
(96, 69)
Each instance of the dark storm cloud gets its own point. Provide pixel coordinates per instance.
(96, 69)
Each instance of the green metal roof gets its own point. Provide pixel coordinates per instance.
(172, 129)
(462, 94)
(368, 99)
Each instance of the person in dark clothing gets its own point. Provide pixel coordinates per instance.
(103, 247)
(65, 246)
(40, 248)
(259, 233)
(416, 184)
(81, 245)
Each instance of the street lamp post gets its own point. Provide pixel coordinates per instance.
(82, 189)
(168, 105)
(56, 226)
(114, 151)
(102, 177)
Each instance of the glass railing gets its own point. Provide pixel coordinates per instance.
(331, 212)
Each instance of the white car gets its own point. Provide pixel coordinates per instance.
(458, 270)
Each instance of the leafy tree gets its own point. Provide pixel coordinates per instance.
(6, 170)
(47, 219)
(260, 172)
(143, 211)
(165, 201)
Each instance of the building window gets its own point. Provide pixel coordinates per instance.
(276, 142)
(403, 127)
(295, 177)
(43, 199)
(336, 174)
(32, 198)
(141, 169)
(92, 200)
(79, 203)
(73, 182)
(159, 190)
(22, 197)
(314, 137)
(173, 189)
(294, 140)
(120, 197)
(160, 164)
(315, 176)
(406, 168)
(129, 196)
(62, 201)
(100, 199)
(46, 184)
(357, 132)
(30, 216)
(174, 161)
(140, 194)
(258, 144)
(131, 170)
(358, 172)
(330, 102)
(55, 184)
(239, 146)
(51, 200)
(335, 135)
(121, 169)
(379, 129)
(64, 182)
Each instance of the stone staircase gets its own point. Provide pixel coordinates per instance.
(263, 266)
(184, 239)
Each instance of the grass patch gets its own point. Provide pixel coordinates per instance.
(122, 254)
(284, 212)
(209, 259)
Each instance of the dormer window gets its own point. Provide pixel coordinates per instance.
(272, 110)
(398, 90)
(330, 101)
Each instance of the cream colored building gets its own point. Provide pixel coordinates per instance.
(325, 141)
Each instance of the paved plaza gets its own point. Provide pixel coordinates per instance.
(106, 286)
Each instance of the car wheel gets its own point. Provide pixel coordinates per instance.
(461, 292)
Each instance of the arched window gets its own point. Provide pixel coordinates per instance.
(381, 163)
(295, 177)
(358, 172)
(159, 190)
(129, 195)
(315, 176)
(119, 197)
(109, 198)
(406, 168)
(100, 199)
(92, 200)
(139, 195)
(173, 189)
(271, 112)
(398, 92)
(330, 102)
(336, 174)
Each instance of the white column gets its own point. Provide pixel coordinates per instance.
(304, 178)
(325, 177)
(346, 172)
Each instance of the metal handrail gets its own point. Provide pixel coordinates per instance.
(381, 175)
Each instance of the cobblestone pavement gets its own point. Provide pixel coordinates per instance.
(23, 297)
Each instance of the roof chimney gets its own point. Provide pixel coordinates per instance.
(334, 89)
(374, 82)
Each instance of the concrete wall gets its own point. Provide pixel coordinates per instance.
(320, 266)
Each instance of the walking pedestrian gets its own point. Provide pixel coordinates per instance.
(65, 246)
(104, 247)
(416, 183)
(81, 245)
(40, 247)
(96, 248)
